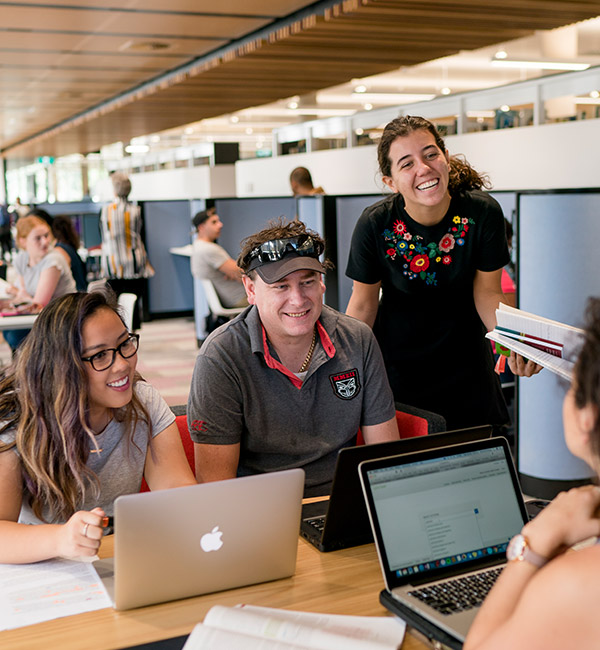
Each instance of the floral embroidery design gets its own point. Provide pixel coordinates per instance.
(417, 257)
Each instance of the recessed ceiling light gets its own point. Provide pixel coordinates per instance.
(292, 105)
(505, 108)
(445, 90)
(188, 130)
(500, 54)
(145, 46)
(360, 89)
(359, 131)
(234, 119)
(368, 107)
(249, 131)
(595, 94)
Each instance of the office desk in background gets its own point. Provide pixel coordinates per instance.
(341, 582)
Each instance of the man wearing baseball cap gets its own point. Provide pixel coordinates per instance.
(289, 381)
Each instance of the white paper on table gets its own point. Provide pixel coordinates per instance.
(32, 593)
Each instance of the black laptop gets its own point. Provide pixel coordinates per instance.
(442, 520)
(342, 521)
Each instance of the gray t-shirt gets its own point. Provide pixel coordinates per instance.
(239, 395)
(31, 274)
(207, 258)
(120, 464)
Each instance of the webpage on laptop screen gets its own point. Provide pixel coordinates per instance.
(451, 509)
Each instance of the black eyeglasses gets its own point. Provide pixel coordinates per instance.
(103, 360)
(276, 249)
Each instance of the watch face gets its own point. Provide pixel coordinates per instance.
(516, 547)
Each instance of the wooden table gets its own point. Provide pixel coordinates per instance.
(341, 582)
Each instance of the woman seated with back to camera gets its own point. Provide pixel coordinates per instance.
(550, 598)
(79, 427)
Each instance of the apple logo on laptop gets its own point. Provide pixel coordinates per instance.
(211, 541)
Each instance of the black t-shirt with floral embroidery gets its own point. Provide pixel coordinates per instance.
(429, 331)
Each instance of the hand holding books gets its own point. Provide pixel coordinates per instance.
(535, 341)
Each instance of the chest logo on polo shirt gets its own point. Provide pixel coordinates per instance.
(346, 385)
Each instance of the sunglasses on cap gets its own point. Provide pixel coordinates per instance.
(275, 250)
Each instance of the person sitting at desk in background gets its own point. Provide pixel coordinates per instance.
(79, 428)
(289, 381)
(302, 184)
(67, 243)
(43, 272)
(212, 262)
(435, 248)
(547, 597)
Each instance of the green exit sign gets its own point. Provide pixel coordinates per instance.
(46, 160)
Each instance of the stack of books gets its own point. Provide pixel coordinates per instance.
(549, 343)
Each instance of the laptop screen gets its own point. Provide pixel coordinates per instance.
(437, 512)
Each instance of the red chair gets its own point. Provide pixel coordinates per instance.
(413, 422)
(188, 446)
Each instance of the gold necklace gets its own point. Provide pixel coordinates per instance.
(306, 363)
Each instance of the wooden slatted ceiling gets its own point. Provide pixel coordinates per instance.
(353, 39)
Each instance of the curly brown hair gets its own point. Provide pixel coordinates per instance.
(462, 176)
(277, 229)
(586, 374)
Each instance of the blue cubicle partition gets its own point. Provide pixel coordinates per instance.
(168, 225)
(558, 269)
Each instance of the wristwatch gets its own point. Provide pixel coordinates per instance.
(518, 549)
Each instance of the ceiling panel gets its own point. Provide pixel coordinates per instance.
(75, 43)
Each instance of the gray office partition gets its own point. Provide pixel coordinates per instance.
(558, 269)
(348, 210)
(244, 217)
(168, 225)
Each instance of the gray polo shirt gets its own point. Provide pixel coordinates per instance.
(242, 394)
(207, 258)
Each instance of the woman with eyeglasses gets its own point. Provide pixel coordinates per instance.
(78, 428)
(435, 249)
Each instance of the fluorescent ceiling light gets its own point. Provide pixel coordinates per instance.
(387, 99)
(587, 100)
(539, 65)
(137, 148)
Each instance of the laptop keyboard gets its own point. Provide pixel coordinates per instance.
(458, 594)
(318, 523)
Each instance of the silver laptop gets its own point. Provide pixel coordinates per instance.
(188, 541)
(443, 516)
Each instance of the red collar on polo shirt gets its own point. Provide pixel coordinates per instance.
(277, 365)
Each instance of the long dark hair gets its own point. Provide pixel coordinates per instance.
(44, 397)
(64, 231)
(462, 176)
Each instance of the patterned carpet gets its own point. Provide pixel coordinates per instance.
(165, 359)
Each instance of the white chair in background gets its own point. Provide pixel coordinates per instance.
(214, 302)
(127, 304)
(206, 302)
(96, 285)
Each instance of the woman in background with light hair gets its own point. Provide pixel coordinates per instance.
(42, 274)
(124, 260)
